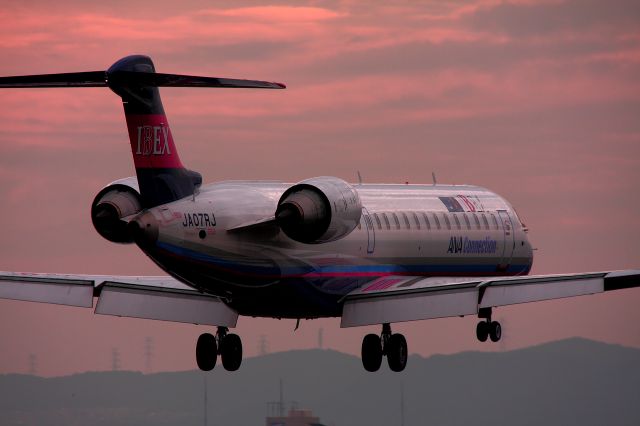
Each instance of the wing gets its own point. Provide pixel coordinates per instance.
(158, 298)
(401, 298)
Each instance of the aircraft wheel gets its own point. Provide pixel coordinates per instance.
(206, 352)
(397, 352)
(231, 352)
(371, 352)
(482, 331)
(495, 331)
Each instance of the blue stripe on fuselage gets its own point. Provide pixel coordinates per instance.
(246, 268)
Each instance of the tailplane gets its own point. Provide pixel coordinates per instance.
(161, 176)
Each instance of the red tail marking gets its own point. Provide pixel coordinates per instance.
(151, 142)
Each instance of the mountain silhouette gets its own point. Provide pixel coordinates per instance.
(573, 381)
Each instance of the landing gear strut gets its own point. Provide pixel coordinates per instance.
(229, 346)
(393, 346)
(487, 328)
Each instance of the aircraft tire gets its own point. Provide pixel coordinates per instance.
(231, 352)
(371, 352)
(397, 352)
(482, 331)
(495, 331)
(206, 352)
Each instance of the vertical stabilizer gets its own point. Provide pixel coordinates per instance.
(161, 176)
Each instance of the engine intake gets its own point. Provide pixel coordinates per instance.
(319, 210)
(114, 202)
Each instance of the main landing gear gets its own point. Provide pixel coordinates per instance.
(229, 346)
(487, 328)
(393, 346)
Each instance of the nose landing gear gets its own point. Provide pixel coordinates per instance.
(229, 346)
(393, 346)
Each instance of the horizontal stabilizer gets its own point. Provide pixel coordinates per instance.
(130, 78)
(70, 79)
(179, 80)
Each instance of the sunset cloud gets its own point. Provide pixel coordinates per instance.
(278, 14)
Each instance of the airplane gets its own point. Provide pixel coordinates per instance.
(371, 254)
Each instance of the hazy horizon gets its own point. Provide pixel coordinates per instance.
(574, 381)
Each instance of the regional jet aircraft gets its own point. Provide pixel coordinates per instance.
(370, 254)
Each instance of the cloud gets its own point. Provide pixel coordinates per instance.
(278, 14)
(529, 19)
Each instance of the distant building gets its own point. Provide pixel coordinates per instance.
(296, 417)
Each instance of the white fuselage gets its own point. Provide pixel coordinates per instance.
(416, 230)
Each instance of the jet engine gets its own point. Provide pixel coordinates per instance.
(117, 200)
(319, 210)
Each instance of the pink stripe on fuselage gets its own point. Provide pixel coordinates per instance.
(382, 284)
(151, 142)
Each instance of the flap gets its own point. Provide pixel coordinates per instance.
(158, 298)
(401, 298)
(164, 304)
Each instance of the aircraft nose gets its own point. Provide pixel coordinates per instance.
(144, 229)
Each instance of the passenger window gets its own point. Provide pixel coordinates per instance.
(495, 222)
(395, 218)
(446, 220)
(386, 220)
(466, 220)
(426, 220)
(377, 218)
(484, 220)
(475, 217)
(415, 218)
(455, 218)
(437, 221)
(406, 220)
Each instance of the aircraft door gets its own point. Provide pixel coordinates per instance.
(509, 239)
(371, 232)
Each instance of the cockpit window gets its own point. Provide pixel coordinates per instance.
(520, 220)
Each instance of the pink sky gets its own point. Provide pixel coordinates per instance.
(538, 101)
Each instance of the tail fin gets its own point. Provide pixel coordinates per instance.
(161, 176)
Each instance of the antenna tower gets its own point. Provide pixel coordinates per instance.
(33, 364)
(148, 354)
(263, 345)
(115, 359)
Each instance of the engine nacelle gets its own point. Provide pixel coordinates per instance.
(117, 200)
(319, 210)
